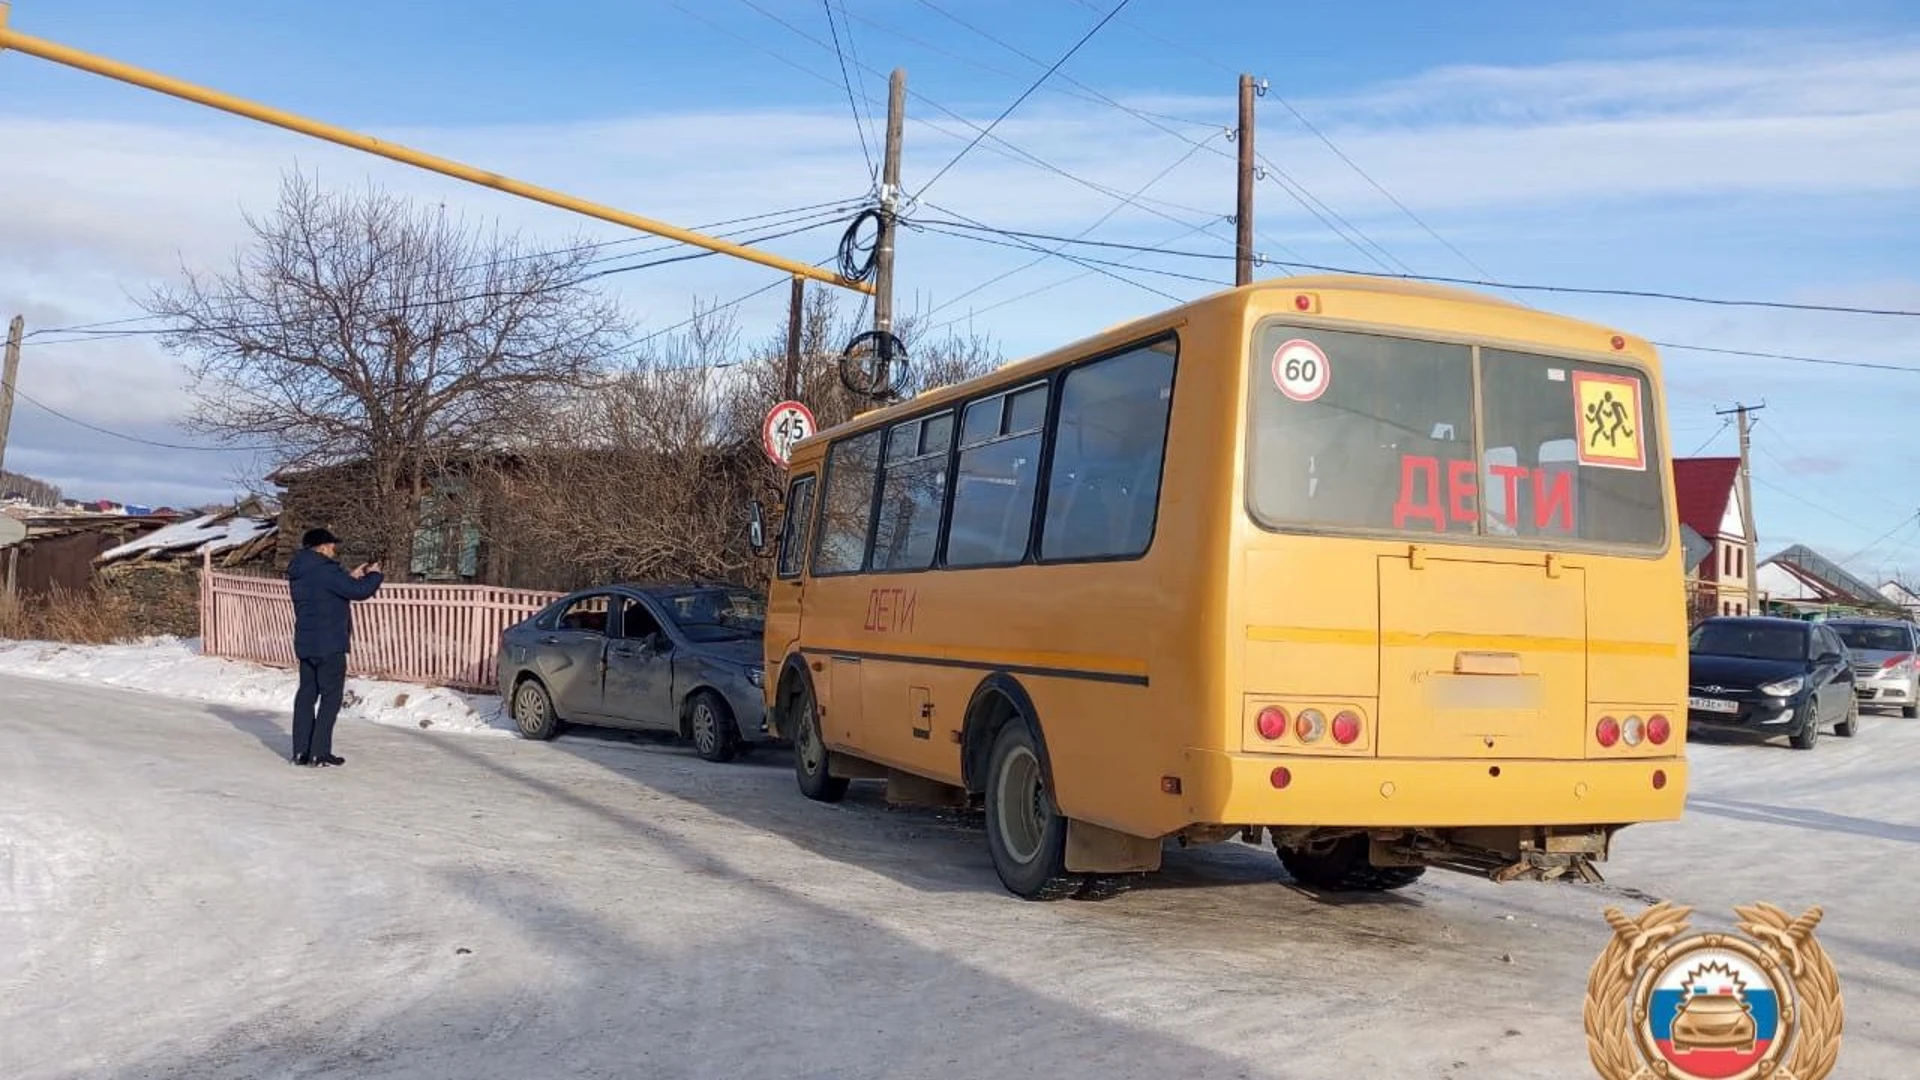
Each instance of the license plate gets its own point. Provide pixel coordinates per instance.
(1706, 704)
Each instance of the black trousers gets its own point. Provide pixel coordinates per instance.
(323, 682)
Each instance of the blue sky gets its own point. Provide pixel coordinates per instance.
(1741, 149)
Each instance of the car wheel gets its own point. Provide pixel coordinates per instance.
(715, 736)
(1343, 866)
(1807, 736)
(811, 760)
(1026, 833)
(1849, 727)
(1911, 712)
(533, 713)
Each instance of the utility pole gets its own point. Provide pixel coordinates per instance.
(790, 386)
(1243, 212)
(9, 373)
(1741, 412)
(889, 206)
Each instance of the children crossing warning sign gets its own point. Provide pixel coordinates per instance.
(1610, 420)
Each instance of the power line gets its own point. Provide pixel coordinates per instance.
(1103, 219)
(827, 211)
(1865, 364)
(1717, 432)
(44, 407)
(1645, 294)
(1031, 293)
(1024, 94)
(1014, 240)
(847, 80)
(398, 309)
(1007, 149)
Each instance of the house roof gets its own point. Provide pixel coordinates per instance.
(1703, 487)
(1828, 579)
(210, 534)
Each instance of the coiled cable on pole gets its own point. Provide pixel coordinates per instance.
(873, 365)
(859, 255)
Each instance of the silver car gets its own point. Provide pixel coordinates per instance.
(682, 659)
(1886, 672)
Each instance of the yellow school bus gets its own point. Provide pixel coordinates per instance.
(1385, 573)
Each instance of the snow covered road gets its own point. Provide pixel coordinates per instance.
(176, 901)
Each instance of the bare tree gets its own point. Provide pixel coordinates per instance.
(372, 341)
(35, 492)
(649, 475)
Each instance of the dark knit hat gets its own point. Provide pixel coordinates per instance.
(318, 538)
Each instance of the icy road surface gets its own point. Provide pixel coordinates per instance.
(177, 901)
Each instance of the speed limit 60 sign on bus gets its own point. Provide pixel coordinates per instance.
(787, 423)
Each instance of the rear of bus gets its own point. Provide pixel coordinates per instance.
(1456, 624)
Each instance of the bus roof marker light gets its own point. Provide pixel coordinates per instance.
(1306, 302)
(1619, 343)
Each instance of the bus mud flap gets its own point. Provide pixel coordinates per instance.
(1095, 849)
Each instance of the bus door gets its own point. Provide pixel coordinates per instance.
(784, 600)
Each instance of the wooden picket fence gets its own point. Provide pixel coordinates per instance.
(439, 635)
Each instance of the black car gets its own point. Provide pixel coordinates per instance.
(675, 658)
(1770, 676)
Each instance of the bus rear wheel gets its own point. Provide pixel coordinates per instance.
(1026, 833)
(810, 757)
(1342, 866)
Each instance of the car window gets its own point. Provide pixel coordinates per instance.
(638, 623)
(588, 614)
(715, 614)
(1867, 637)
(1752, 641)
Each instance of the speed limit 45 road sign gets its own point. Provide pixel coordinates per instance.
(787, 423)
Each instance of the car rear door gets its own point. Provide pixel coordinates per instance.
(572, 657)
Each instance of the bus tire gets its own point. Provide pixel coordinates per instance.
(811, 760)
(1026, 833)
(1343, 866)
(1099, 887)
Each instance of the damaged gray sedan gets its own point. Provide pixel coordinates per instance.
(682, 659)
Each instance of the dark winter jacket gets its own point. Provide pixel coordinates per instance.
(322, 594)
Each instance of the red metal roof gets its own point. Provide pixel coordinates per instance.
(1703, 486)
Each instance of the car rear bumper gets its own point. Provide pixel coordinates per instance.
(1237, 789)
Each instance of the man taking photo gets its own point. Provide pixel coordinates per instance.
(323, 592)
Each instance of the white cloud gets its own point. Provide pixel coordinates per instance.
(1657, 165)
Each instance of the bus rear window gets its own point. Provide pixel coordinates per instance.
(1368, 432)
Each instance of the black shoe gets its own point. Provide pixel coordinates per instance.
(329, 759)
(300, 759)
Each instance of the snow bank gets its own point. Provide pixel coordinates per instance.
(175, 668)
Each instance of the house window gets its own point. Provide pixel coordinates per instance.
(446, 546)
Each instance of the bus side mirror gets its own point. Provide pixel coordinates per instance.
(757, 529)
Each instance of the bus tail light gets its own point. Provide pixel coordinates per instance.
(1272, 722)
(1280, 777)
(1659, 730)
(1310, 725)
(1607, 732)
(1633, 731)
(1346, 728)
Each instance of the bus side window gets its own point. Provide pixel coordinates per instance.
(913, 488)
(1103, 493)
(847, 508)
(793, 531)
(998, 478)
